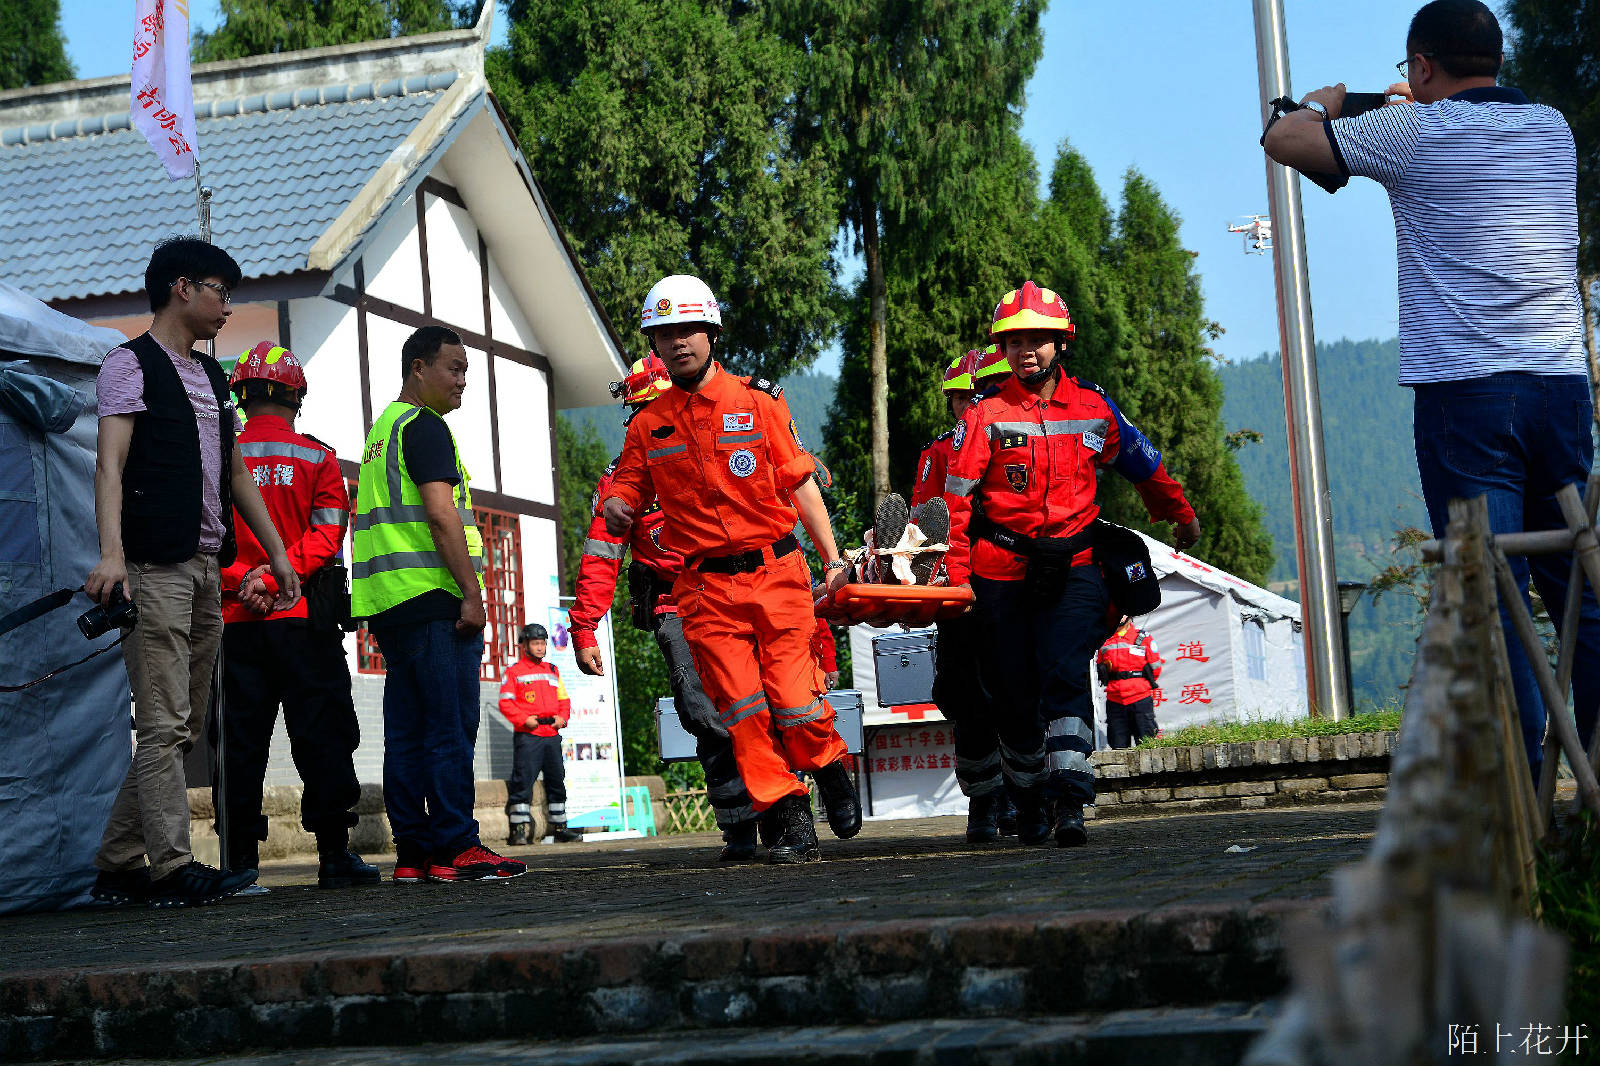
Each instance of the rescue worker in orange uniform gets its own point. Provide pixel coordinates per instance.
(1129, 666)
(722, 456)
(535, 702)
(1021, 490)
(650, 578)
(275, 657)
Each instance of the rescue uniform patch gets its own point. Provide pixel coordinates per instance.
(1017, 476)
(742, 462)
(960, 436)
(1093, 441)
(738, 422)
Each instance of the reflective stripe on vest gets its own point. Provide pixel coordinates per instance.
(394, 558)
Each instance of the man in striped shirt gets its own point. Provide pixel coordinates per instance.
(1482, 183)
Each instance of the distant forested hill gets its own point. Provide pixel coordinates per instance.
(1372, 474)
(809, 395)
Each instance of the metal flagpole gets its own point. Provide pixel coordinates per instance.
(202, 205)
(1308, 468)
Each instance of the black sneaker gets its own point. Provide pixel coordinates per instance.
(933, 518)
(839, 799)
(1070, 831)
(194, 884)
(887, 529)
(739, 842)
(120, 888)
(981, 817)
(346, 870)
(799, 840)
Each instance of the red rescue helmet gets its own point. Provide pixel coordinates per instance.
(961, 375)
(991, 363)
(281, 378)
(1032, 307)
(647, 379)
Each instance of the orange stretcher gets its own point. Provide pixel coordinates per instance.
(882, 605)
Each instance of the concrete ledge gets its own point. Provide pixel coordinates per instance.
(1250, 775)
(870, 972)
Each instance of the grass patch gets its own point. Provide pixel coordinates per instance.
(1569, 892)
(1273, 729)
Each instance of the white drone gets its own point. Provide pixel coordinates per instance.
(1257, 230)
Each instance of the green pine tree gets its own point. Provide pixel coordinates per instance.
(661, 134)
(262, 27)
(1165, 381)
(32, 48)
(907, 102)
(1555, 59)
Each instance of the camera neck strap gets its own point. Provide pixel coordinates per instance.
(37, 609)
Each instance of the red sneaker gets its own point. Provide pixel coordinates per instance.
(410, 865)
(477, 863)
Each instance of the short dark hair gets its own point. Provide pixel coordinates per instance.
(424, 344)
(186, 257)
(1462, 36)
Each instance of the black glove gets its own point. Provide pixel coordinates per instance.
(546, 719)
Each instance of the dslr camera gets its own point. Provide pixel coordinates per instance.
(1354, 104)
(117, 613)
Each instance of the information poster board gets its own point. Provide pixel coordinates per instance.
(591, 745)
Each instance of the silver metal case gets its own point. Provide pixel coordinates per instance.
(903, 663)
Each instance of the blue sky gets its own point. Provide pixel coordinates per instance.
(1167, 87)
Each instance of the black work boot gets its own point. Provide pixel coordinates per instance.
(769, 825)
(799, 840)
(739, 842)
(563, 835)
(521, 833)
(1033, 825)
(981, 814)
(345, 869)
(1070, 831)
(1006, 820)
(839, 799)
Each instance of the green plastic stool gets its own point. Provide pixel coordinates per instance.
(637, 810)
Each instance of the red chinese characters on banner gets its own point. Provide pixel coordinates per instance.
(908, 751)
(1195, 693)
(1158, 697)
(1193, 651)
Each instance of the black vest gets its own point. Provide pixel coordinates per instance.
(162, 481)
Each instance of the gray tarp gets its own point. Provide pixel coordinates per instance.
(65, 744)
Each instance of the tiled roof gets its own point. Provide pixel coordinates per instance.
(85, 200)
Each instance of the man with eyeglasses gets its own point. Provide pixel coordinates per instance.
(167, 481)
(1482, 183)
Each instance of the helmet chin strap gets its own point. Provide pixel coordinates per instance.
(699, 375)
(1038, 377)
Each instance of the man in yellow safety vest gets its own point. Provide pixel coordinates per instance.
(417, 580)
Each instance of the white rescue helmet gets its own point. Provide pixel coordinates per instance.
(679, 298)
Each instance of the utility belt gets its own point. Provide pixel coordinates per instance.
(327, 596)
(1124, 675)
(1121, 554)
(646, 585)
(747, 562)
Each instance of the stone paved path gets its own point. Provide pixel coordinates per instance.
(1192, 1036)
(673, 885)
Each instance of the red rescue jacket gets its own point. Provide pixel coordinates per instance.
(602, 559)
(932, 465)
(534, 690)
(1128, 652)
(1033, 466)
(823, 648)
(299, 480)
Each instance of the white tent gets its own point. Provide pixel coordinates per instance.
(64, 744)
(1232, 651)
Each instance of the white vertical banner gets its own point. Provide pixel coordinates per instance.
(161, 98)
(591, 745)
